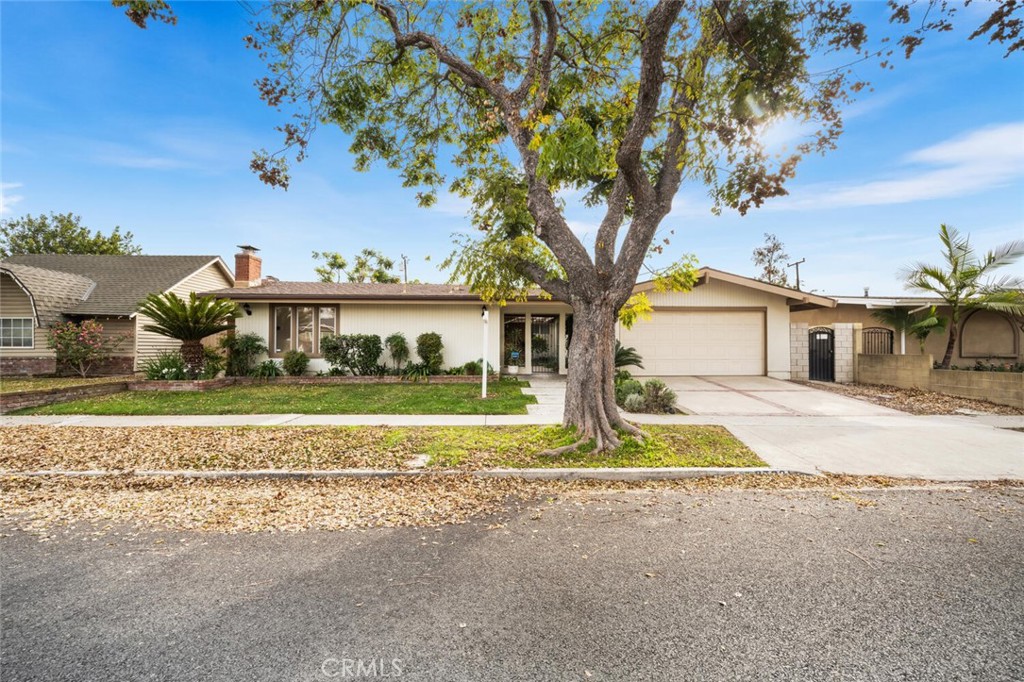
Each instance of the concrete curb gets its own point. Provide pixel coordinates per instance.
(599, 474)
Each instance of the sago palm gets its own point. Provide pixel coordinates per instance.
(964, 281)
(188, 321)
(626, 356)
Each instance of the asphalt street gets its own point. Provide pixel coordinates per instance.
(652, 585)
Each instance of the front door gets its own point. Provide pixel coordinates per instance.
(821, 351)
(544, 344)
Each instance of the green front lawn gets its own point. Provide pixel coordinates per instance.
(405, 398)
(29, 448)
(18, 384)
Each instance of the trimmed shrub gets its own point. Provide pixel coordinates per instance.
(626, 388)
(398, 349)
(431, 351)
(295, 363)
(634, 402)
(165, 367)
(352, 353)
(242, 353)
(213, 363)
(415, 371)
(80, 346)
(658, 397)
(268, 369)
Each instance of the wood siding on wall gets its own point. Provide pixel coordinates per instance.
(148, 344)
(14, 302)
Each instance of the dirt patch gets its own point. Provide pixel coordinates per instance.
(915, 401)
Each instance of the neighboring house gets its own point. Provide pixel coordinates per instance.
(984, 335)
(37, 291)
(726, 325)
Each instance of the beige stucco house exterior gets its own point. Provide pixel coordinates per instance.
(727, 325)
(38, 291)
(984, 335)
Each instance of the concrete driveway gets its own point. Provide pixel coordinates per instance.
(757, 396)
(796, 427)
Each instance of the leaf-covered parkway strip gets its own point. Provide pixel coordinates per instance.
(117, 503)
(463, 448)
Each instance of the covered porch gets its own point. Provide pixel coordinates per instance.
(535, 338)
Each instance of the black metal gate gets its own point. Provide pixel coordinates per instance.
(821, 351)
(877, 341)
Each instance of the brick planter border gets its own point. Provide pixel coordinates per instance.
(213, 384)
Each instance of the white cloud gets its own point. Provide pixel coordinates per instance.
(983, 159)
(7, 198)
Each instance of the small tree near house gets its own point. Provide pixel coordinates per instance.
(189, 322)
(81, 346)
(965, 281)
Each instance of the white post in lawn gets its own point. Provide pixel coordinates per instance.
(483, 382)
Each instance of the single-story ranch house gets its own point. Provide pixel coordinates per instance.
(984, 335)
(38, 291)
(728, 325)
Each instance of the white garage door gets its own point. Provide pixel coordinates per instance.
(687, 343)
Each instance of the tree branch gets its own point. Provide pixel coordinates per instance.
(555, 286)
(656, 28)
(608, 233)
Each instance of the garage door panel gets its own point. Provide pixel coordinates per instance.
(680, 343)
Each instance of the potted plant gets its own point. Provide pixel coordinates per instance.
(513, 350)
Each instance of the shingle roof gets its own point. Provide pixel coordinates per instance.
(274, 289)
(120, 281)
(52, 291)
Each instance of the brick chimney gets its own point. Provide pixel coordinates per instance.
(248, 267)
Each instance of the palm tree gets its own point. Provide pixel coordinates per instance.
(189, 322)
(900, 319)
(626, 356)
(964, 281)
(924, 324)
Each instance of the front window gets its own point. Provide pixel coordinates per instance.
(16, 332)
(282, 329)
(301, 327)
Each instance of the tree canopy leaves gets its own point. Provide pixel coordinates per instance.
(61, 233)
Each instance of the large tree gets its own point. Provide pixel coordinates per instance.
(967, 281)
(530, 101)
(61, 233)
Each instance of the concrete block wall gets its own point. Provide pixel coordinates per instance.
(848, 345)
(1004, 388)
(915, 371)
(799, 359)
(902, 371)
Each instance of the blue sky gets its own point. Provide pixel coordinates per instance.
(153, 130)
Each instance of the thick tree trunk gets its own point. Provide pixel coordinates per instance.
(590, 387)
(192, 354)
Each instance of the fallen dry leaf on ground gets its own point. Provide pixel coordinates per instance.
(914, 401)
